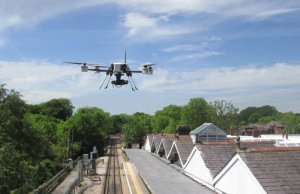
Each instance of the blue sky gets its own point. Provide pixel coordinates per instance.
(245, 52)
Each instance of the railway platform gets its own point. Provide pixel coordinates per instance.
(160, 177)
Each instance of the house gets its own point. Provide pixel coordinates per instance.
(276, 126)
(152, 142)
(165, 146)
(256, 130)
(205, 161)
(180, 151)
(208, 159)
(261, 170)
(156, 142)
(208, 132)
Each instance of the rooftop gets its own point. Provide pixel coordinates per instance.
(278, 171)
(208, 129)
(217, 155)
(167, 144)
(184, 149)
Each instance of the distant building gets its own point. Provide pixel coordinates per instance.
(256, 130)
(276, 126)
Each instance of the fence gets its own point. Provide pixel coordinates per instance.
(49, 186)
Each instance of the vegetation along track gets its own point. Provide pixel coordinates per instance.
(113, 184)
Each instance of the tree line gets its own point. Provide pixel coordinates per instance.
(37, 140)
(198, 111)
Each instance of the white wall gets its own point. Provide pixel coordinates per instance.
(197, 170)
(236, 178)
(147, 145)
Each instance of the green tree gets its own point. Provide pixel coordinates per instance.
(167, 119)
(253, 114)
(118, 122)
(225, 115)
(136, 128)
(60, 108)
(45, 125)
(292, 122)
(88, 127)
(20, 145)
(159, 122)
(196, 112)
(246, 113)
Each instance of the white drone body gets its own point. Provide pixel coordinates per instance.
(118, 70)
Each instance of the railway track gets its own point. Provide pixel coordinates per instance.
(113, 184)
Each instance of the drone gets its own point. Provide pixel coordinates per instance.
(118, 70)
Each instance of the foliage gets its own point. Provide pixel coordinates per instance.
(60, 108)
(118, 122)
(197, 112)
(36, 140)
(167, 119)
(89, 127)
(253, 114)
(292, 122)
(136, 128)
(225, 115)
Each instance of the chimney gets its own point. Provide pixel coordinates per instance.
(286, 135)
(193, 139)
(238, 142)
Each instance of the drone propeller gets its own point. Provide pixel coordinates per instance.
(148, 65)
(85, 64)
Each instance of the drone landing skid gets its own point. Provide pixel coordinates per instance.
(119, 83)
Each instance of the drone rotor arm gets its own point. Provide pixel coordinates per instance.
(135, 71)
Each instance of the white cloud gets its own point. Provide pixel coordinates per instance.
(197, 55)
(41, 81)
(17, 13)
(155, 21)
(152, 28)
(229, 8)
(212, 12)
(277, 85)
(203, 49)
(137, 22)
(224, 79)
(183, 47)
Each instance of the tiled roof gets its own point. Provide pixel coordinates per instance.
(156, 140)
(184, 149)
(216, 156)
(167, 143)
(184, 138)
(276, 171)
(150, 136)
